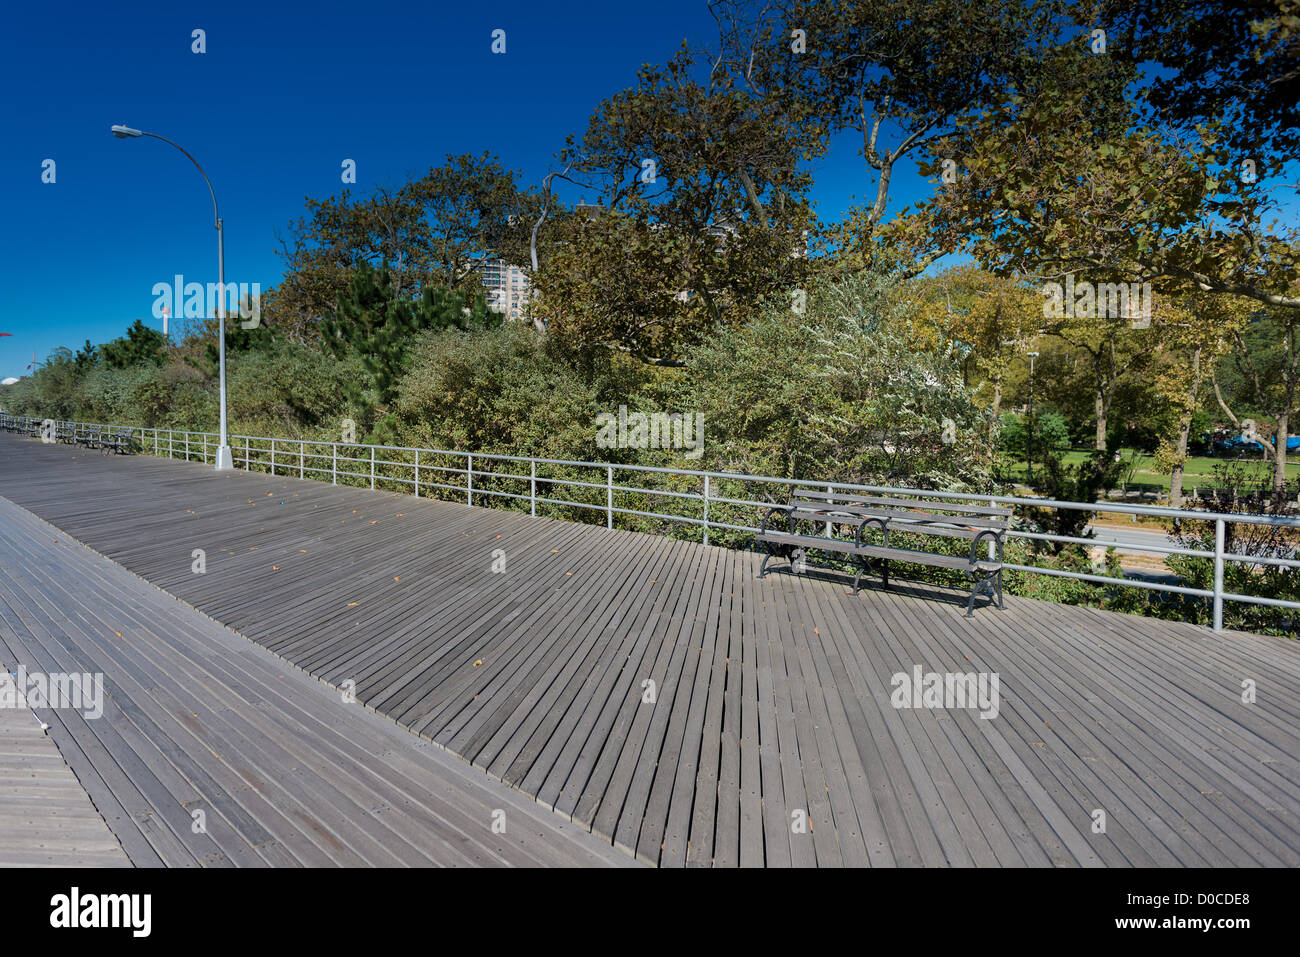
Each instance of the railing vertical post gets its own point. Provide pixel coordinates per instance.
(272, 456)
(171, 444)
(830, 526)
(417, 473)
(532, 487)
(706, 510)
(372, 466)
(334, 463)
(609, 497)
(302, 459)
(187, 446)
(1218, 574)
(469, 478)
(155, 442)
(248, 455)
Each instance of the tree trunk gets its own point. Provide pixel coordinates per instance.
(1100, 404)
(997, 402)
(1279, 460)
(1176, 474)
(1184, 430)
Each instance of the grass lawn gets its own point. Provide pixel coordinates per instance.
(1197, 471)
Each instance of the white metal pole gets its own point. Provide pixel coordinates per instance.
(706, 510)
(1218, 574)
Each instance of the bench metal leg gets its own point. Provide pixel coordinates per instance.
(762, 569)
(999, 586)
(970, 602)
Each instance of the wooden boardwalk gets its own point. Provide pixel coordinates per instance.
(46, 817)
(210, 752)
(772, 698)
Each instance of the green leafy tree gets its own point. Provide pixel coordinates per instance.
(431, 231)
(377, 324)
(1086, 481)
(702, 213)
(140, 346)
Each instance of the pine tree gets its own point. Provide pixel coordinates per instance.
(380, 328)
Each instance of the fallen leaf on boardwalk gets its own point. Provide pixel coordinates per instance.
(555, 551)
(275, 568)
(479, 662)
(118, 633)
(816, 632)
(396, 579)
(302, 549)
(498, 536)
(353, 604)
(372, 523)
(568, 574)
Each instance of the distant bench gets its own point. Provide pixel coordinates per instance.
(980, 524)
(116, 440)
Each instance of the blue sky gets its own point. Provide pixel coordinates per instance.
(282, 96)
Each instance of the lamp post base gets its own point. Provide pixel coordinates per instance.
(225, 458)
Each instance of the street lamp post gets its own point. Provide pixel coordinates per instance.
(225, 459)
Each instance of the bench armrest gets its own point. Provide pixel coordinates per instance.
(996, 534)
(762, 527)
(879, 520)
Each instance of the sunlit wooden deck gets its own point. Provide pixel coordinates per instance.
(771, 697)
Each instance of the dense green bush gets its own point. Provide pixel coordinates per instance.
(841, 392)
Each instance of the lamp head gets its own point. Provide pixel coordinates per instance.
(125, 132)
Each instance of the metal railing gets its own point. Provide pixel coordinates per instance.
(489, 479)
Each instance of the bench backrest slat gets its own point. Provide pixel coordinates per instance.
(929, 505)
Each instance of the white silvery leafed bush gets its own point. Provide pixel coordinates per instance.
(848, 390)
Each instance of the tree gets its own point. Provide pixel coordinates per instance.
(1070, 177)
(434, 230)
(839, 392)
(140, 346)
(898, 74)
(703, 212)
(996, 318)
(1266, 360)
(1114, 350)
(1198, 330)
(1235, 64)
(378, 324)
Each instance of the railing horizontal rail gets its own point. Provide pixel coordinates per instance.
(376, 465)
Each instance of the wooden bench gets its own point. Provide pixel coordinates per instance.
(118, 440)
(891, 517)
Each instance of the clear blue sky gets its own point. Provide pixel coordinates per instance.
(284, 93)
